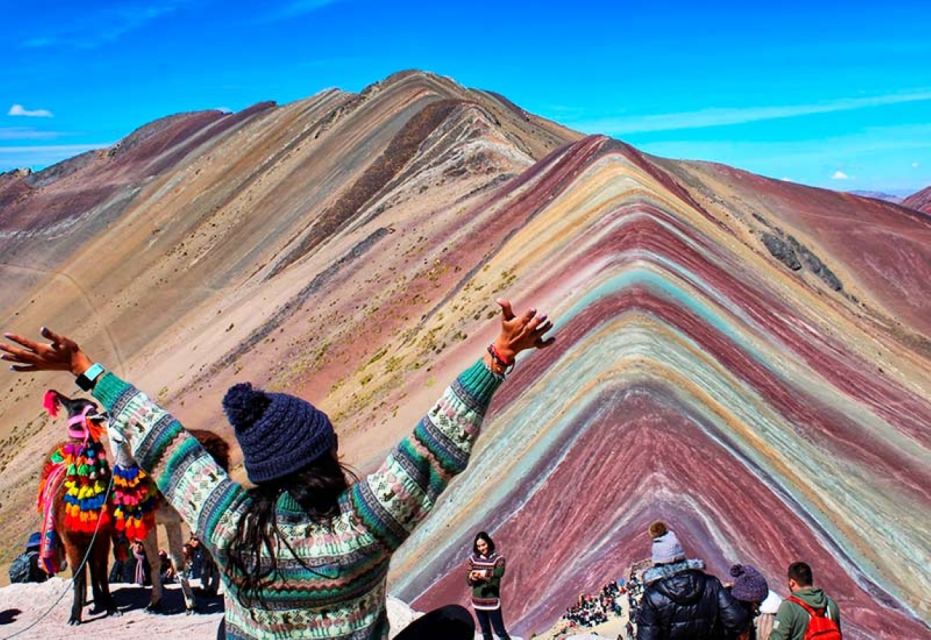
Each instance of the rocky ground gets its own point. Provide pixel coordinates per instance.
(41, 611)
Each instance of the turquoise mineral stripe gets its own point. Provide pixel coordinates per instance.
(665, 286)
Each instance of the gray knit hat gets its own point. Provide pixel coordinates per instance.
(666, 549)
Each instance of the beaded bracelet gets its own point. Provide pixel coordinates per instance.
(498, 360)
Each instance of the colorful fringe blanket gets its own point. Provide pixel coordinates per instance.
(51, 553)
(134, 501)
(86, 476)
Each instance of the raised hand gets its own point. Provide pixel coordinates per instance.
(61, 354)
(521, 332)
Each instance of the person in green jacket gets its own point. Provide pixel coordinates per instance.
(792, 619)
(305, 552)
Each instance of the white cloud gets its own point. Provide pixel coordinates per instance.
(882, 152)
(20, 110)
(38, 42)
(26, 133)
(840, 175)
(295, 8)
(38, 157)
(54, 148)
(717, 117)
(95, 28)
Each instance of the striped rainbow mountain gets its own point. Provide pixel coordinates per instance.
(744, 358)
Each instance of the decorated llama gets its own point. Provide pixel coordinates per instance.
(138, 507)
(73, 494)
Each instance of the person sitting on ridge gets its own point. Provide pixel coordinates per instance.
(25, 567)
(305, 553)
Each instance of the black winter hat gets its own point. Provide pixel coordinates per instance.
(278, 433)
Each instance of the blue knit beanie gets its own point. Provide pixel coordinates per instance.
(278, 433)
(749, 584)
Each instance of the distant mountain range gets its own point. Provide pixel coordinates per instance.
(747, 359)
(921, 201)
(878, 195)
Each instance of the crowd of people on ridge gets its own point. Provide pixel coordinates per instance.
(594, 609)
(634, 589)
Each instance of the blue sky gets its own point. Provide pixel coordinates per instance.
(829, 94)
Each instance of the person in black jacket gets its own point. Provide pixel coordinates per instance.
(681, 601)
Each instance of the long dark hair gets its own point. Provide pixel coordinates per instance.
(481, 535)
(253, 558)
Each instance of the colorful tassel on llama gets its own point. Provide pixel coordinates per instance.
(134, 501)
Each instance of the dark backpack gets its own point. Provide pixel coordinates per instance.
(820, 626)
(25, 568)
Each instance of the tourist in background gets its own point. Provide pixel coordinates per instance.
(767, 618)
(486, 568)
(751, 590)
(25, 567)
(681, 601)
(807, 610)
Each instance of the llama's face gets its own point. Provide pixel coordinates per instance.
(85, 420)
(89, 424)
(119, 447)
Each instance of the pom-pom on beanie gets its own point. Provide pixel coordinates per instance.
(749, 584)
(666, 549)
(278, 433)
(657, 529)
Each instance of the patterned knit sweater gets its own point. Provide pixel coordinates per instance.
(343, 596)
(486, 589)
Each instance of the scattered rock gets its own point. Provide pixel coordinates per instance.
(788, 252)
(815, 265)
(781, 251)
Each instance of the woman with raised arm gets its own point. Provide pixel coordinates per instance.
(304, 553)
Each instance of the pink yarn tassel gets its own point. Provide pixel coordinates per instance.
(51, 403)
